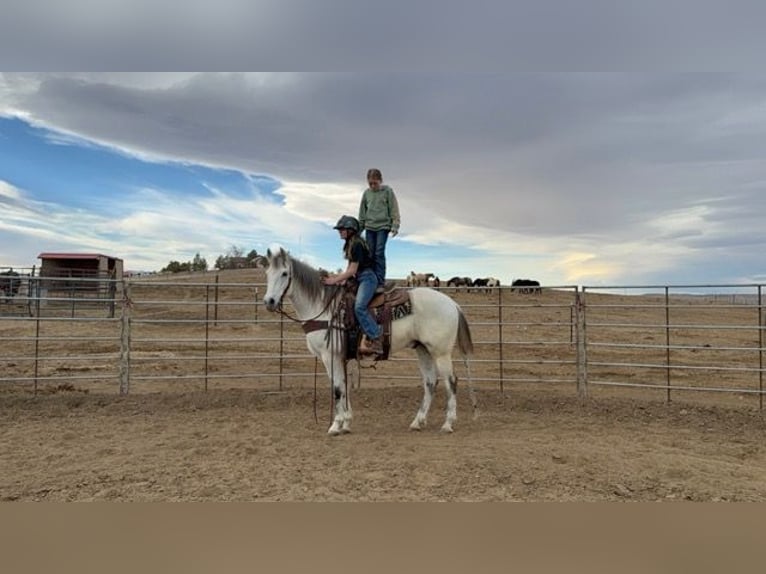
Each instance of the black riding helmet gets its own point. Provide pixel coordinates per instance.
(348, 222)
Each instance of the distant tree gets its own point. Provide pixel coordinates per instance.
(221, 262)
(234, 258)
(252, 257)
(176, 267)
(225, 261)
(235, 251)
(171, 267)
(198, 263)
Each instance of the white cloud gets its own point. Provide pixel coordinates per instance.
(680, 223)
(320, 202)
(566, 177)
(8, 191)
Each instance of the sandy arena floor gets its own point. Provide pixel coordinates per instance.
(249, 446)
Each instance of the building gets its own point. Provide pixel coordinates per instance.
(79, 274)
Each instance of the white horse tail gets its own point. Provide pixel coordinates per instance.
(466, 347)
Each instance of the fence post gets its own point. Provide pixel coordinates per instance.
(216, 300)
(37, 344)
(667, 343)
(760, 348)
(112, 294)
(255, 306)
(582, 358)
(500, 336)
(207, 324)
(125, 313)
(281, 349)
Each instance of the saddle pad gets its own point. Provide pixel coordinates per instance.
(397, 311)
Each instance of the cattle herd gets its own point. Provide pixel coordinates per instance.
(525, 286)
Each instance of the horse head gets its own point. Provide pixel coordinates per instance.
(278, 276)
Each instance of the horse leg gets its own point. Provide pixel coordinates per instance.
(430, 379)
(446, 372)
(342, 414)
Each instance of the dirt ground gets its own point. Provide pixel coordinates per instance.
(250, 439)
(254, 446)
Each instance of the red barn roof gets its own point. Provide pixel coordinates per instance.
(74, 256)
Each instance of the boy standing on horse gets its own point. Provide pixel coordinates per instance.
(360, 266)
(378, 216)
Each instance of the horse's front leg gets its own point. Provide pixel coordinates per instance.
(330, 356)
(341, 422)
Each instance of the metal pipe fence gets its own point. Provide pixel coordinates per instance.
(199, 334)
(675, 338)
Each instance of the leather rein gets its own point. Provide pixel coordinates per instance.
(308, 325)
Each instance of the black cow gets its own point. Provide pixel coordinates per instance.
(9, 284)
(526, 286)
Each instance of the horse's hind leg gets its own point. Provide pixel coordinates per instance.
(430, 379)
(445, 371)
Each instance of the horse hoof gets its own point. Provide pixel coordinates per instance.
(333, 432)
(446, 429)
(345, 431)
(414, 427)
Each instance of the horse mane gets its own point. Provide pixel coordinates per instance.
(310, 280)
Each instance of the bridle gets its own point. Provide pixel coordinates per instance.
(281, 311)
(282, 296)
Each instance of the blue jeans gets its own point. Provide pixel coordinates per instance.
(367, 283)
(376, 240)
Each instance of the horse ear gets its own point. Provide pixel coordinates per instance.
(275, 251)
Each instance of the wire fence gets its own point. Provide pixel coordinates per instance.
(157, 335)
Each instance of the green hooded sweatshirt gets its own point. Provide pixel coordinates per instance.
(379, 209)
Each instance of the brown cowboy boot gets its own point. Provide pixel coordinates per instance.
(371, 346)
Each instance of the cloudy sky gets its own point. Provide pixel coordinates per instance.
(569, 178)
